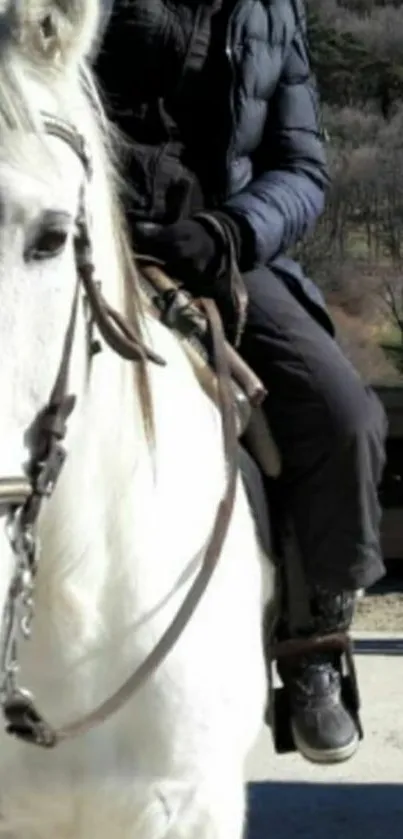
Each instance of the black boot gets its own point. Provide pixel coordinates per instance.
(323, 728)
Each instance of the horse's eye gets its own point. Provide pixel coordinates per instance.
(48, 244)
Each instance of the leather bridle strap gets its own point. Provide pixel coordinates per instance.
(49, 429)
(233, 278)
(113, 327)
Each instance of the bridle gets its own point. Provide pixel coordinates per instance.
(23, 498)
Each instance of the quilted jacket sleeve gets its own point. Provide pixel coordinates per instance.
(286, 197)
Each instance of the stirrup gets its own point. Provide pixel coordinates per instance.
(278, 713)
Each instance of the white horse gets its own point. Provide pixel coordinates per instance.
(124, 533)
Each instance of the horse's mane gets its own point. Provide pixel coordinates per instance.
(17, 113)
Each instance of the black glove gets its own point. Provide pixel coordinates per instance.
(192, 252)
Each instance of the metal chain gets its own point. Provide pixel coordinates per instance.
(19, 608)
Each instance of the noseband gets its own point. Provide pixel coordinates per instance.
(22, 498)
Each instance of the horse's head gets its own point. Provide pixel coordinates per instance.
(41, 183)
(43, 190)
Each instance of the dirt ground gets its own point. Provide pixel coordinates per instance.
(382, 610)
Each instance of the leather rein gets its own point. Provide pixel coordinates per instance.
(22, 499)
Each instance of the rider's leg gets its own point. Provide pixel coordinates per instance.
(330, 429)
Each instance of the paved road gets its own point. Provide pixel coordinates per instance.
(362, 799)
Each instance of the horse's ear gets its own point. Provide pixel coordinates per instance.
(56, 31)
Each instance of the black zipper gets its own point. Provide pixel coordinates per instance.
(229, 54)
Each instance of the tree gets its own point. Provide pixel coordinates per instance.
(356, 52)
(356, 252)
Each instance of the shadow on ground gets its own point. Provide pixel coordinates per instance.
(379, 646)
(325, 811)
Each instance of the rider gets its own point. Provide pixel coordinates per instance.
(218, 101)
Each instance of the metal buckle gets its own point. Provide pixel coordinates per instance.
(50, 470)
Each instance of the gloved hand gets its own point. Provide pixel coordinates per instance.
(192, 253)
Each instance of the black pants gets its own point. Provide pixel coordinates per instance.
(330, 430)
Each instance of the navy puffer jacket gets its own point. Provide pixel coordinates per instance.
(276, 167)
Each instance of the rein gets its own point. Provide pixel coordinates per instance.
(24, 498)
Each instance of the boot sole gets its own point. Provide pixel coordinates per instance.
(325, 755)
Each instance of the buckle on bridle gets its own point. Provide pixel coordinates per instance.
(50, 469)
